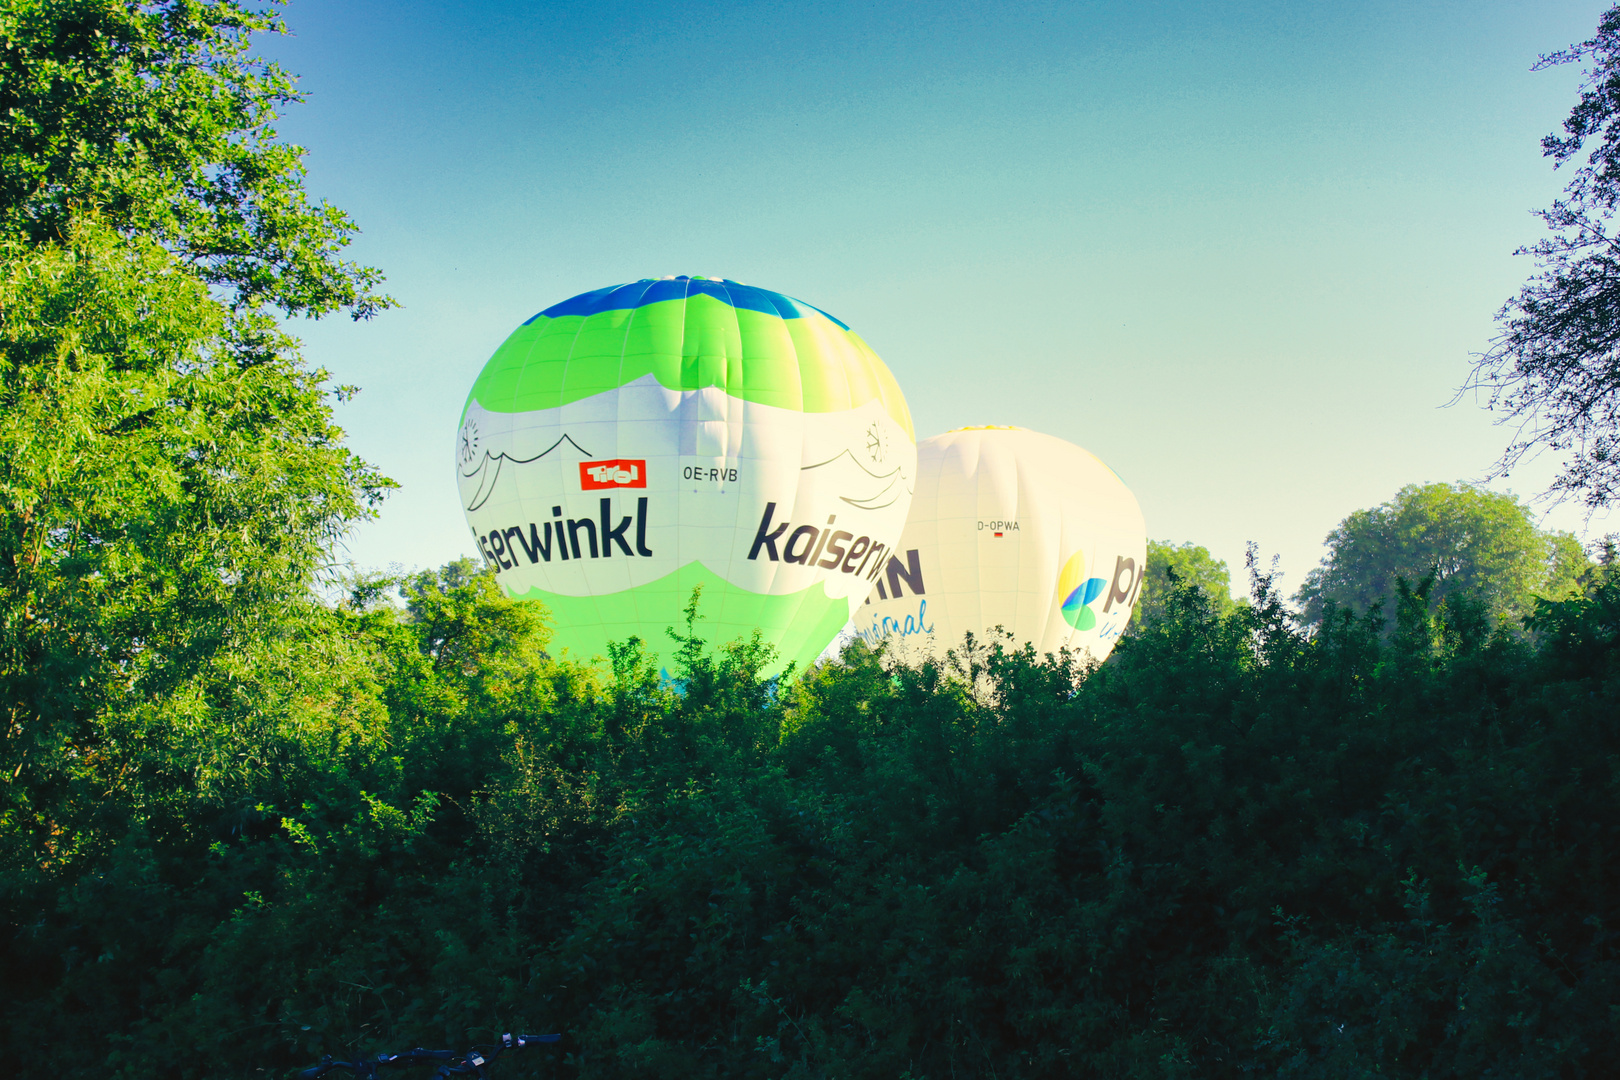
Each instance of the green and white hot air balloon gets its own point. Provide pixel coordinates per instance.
(631, 443)
(1012, 529)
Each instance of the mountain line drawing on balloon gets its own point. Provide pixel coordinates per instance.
(895, 483)
(488, 469)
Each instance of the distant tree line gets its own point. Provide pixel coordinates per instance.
(1459, 538)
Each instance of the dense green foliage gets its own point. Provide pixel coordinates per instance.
(1471, 540)
(1172, 565)
(156, 119)
(170, 477)
(1235, 848)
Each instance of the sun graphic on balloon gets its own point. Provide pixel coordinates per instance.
(1076, 591)
(877, 443)
(468, 443)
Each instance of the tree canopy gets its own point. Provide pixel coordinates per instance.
(1554, 368)
(156, 119)
(1472, 541)
(1171, 566)
(1236, 849)
(171, 480)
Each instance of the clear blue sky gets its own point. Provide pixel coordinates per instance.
(1240, 251)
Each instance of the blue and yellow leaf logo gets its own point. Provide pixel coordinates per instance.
(1076, 591)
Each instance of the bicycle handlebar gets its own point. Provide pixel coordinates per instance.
(469, 1064)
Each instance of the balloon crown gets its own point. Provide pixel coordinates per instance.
(648, 291)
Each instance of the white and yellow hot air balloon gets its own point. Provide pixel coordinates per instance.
(1014, 529)
(629, 444)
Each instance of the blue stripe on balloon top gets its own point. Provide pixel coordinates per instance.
(656, 290)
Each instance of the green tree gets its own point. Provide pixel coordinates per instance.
(1473, 541)
(170, 480)
(170, 476)
(1171, 565)
(1554, 368)
(157, 119)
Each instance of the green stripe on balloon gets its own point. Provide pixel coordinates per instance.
(807, 364)
(806, 620)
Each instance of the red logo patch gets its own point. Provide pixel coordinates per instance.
(618, 473)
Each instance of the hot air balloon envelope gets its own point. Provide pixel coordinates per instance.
(631, 443)
(1013, 529)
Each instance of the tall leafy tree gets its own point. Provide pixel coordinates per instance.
(1471, 540)
(1554, 368)
(170, 475)
(170, 479)
(158, 119)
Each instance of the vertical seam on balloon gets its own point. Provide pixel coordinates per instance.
(618, 422)
(1018, 516)
(866, 357)
(728, 403)
(978, 547)
(562, 403)
(802, 400)
(629, 323)
(737, 321)
(517, 389)
(1070, 632)
(872, 363)
(1053, 606)
(882, 384)
(522, 499)
(680, 404)
(894, 401)
(775, 567)
(797, 368)
(1088, 550)
(851, 356)
(562, 383)
(854, 355)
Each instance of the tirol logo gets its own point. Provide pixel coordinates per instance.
(1076, 591)
(618, 473)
